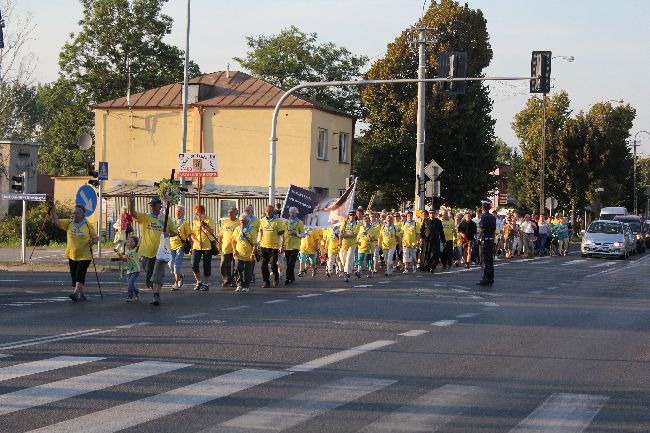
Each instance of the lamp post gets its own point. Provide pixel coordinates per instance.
(634, 179)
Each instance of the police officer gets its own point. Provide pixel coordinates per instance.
(487, 226)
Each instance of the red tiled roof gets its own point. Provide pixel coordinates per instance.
(240, 90)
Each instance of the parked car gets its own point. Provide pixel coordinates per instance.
(639, 229)
(607, 238)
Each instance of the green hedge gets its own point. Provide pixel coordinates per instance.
(10, 226)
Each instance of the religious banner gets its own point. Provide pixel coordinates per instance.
(197, 165)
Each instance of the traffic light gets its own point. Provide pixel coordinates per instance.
(540, 68)
(19, 183)
(452, 65)
(95, 174)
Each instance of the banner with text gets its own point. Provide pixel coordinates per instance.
(197, 165)
(304, 200)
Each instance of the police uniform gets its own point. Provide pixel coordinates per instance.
(488, 225)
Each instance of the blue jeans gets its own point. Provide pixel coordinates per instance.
(542, 243)
(176, 263)
(132, 290)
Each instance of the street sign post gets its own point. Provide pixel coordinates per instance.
(87, 197)
(432, 171)
(551, 203)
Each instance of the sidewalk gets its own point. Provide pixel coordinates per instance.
(47, 259)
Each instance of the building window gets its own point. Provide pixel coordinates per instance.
(323, 192)
(322, 144)
(224, 205)
(343, 147)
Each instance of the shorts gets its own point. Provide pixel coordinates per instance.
(78, 269)
(409, 255)
(364, 259)
(158, 272)
(304, 257)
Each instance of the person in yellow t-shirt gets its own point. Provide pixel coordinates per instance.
(365, 248)
(152, 227)
(309, 247)
(398, 257)
(271, 237)
(410, 237)
(294, 233)
(254, 222)
(449, 228)
(243, 247)
(81, 235)
(348, 244)
(224, 235)
(203, 232)
(388, 242)
(331, 238)
(176, 243)
(376, 225)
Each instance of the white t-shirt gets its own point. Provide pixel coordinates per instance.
(527, 227)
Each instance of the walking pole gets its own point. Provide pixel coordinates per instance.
(96, 275)
(40, 232)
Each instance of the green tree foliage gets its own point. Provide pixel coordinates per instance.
(459, 129)
(10, 225)
(19, 111)
(293, 57)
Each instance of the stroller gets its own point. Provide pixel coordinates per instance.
(553, 244)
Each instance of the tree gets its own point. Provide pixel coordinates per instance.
(293, 57)
(459, 130)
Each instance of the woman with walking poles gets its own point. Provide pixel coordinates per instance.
(81, 236)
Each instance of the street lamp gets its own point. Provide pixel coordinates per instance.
(634, 180)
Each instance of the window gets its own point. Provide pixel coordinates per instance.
(323, 192)
(322, 144)
(224, 205)
(343, 147)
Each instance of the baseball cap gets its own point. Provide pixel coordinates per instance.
(155, 200)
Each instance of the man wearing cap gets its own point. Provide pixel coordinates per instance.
(152, 227)
(487, 227)
(431, 235)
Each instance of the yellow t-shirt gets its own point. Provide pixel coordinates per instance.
(388, 238)
(308, 244)
(78, 237)
(448, 227)
(364, 239)
(243, 247)
(270, 231)
(152, 227)
(226, 227)
(184, 231)
(332, 241)
(292, 230)
(203, 236)
(410, 234)
(348, 227)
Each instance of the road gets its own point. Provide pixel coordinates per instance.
(556, 345)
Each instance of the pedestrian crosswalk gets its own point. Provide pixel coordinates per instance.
(437, 408)
(33, 301)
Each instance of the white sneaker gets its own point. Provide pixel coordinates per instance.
(405, 271)
(238, 289)
(245, 290)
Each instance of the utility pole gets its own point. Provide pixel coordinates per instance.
(542, 166)
(634, 145)
(419, 153)
(185, 85)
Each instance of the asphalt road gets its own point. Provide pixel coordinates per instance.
(556, 345)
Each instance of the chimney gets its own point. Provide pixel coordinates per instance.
(228, 70)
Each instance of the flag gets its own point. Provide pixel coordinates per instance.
(339, 210)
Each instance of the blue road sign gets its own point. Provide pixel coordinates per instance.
(87, 197)
(103, 170)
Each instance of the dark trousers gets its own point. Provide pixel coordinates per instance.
(148, 264)
(488, 260)
(78, 269)
(227, 267)
(244, 273)
(270, 255)
(447, 254)
(291, 256)
(202, 256)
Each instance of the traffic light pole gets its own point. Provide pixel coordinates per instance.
(542, 163)
(23, 235)
(99, 222)
(419, 152)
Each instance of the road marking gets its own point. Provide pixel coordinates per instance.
(562, 413)
(552, 288)
(275, 301)
(490, 304)
(414, 333)
(35, 367)
(384, 282)
(537, 292)
(310, 295)
(240, 307)
(47, 339)
(476, 297)
(444, 322)
(137, 412)
(4, 355)
(300, 408)
(603, 264)
(192, 316)
(133, 325)
(362, 286)
(68, 388)
(459, 290)
(31, 292)
(340, 356)
(339, 290)
(429, 412)
(467, 315)
(573, 262)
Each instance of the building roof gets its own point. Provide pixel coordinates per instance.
(235, 89)
(145, 190)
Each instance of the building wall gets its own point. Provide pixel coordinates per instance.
(65, 190)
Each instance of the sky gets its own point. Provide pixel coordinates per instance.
(610, 41)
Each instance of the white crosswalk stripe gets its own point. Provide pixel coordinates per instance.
(302, 407)
(56, 391)
(35, 367)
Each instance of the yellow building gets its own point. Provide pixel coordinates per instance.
(230, 115)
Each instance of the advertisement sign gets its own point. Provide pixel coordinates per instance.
(197, 165)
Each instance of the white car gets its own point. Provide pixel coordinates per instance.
(608, 238)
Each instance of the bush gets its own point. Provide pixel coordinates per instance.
(10, 226)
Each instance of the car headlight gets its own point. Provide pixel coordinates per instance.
(639, 237)
(587, 242)
(619, 244)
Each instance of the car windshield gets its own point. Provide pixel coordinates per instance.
(635, 227)
(605, 227)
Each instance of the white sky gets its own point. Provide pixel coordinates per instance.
(610, 40)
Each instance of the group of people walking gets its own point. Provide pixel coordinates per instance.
(365, 243)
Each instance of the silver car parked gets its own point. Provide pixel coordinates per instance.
(608, 238)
